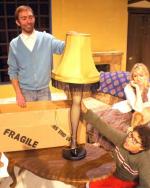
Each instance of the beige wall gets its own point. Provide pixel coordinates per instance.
(106, 21)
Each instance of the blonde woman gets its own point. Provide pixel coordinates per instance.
(119, 115)
(138, 90)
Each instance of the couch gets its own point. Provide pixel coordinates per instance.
(111, 89)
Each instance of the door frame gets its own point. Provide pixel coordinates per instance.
(134, 10)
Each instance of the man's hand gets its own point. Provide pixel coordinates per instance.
(19, 97)
(21, 100)
(72, 33)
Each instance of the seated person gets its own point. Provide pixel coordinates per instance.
(119, 116)
(131, 153)
(137, 91)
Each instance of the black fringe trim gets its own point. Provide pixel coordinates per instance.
(75, 87)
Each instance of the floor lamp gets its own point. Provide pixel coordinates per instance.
(76, 73)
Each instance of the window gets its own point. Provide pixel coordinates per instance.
(9, 30)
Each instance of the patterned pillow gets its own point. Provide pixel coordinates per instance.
(113, 83)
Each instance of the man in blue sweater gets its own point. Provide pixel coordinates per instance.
(30, 59)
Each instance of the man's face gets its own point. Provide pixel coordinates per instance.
(26, 21)
(133, 142)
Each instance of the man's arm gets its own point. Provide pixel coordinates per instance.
(19, 96)
(113, 135)
(144, 172)
(57, 46)
(13, 75)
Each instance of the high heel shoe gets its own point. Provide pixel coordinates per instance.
(74, 152)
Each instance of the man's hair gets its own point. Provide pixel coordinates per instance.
(144, 134)
(20, 9)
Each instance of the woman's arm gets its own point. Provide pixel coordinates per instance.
(133, 96)
(148, 95)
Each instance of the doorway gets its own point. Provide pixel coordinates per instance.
(138, 48)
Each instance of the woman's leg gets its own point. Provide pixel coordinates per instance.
(75, 116)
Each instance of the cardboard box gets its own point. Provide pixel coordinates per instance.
(41, 124)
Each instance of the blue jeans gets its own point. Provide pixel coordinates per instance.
(37, 95)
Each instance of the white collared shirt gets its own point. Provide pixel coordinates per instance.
(29, 40)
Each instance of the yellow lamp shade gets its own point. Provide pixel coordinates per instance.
(77, 64)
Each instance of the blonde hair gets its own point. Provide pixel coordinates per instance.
(144, 69)
(20, 9)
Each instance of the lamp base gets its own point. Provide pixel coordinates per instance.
(74, 154)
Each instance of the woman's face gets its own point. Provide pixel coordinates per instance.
(139, 77)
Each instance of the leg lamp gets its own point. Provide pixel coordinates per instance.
(76, 73)
(75, 152)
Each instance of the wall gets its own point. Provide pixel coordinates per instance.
(105, 20)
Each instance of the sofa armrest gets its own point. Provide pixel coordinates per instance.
(106, 98)
(112, 85)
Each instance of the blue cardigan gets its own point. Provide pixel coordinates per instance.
(33, 68)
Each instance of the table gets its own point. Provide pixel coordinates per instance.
(49, 164)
